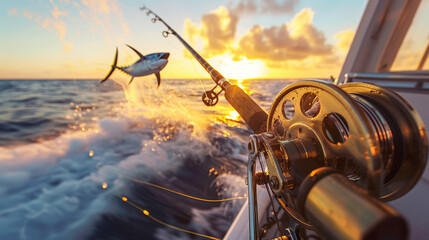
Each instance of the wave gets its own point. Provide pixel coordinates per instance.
(26, 100)
(30, 122)
(52, 189)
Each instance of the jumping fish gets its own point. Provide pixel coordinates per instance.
(146, 65)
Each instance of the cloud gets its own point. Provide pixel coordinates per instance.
(47, 23)
(344, 39)
(191, 30)
(101, 12)
(12, 11)
(99, 5)
(56, 13)
(263, 6)
(58, 26)
(52, 24)
(217, 30)
(102, 17)
(409, 56)
(296, 40)
(296, 46)
(32, 16)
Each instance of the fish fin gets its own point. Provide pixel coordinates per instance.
(132, 78)
(115, 61)
(138, 53)
(158, 78)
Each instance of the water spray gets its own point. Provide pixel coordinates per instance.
(248, 109)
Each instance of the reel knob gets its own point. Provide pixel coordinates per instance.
(210, 98)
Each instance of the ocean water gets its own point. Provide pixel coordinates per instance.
(68, 151)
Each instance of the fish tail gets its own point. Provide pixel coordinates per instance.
(115, 61)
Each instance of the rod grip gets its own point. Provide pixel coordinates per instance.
(248, 109)
(339, 209)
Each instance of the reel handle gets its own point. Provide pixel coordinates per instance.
(210, 98)
(340, 209)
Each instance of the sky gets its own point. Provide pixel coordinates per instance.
(76, 39)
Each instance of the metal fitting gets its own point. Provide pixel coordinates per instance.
(274, 181)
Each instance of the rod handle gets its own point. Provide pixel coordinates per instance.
(248, 109)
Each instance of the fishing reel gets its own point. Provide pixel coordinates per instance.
(335, 154)
(210, 97)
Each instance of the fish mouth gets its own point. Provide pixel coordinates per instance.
(164, 56)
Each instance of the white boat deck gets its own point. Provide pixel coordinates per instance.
(414, 206)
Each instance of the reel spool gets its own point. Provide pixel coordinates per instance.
(332, 151)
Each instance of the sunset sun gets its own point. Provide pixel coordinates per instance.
(243, 69)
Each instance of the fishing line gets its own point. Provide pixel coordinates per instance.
(271, 199)
(146, 213)
(193, 64)
(199, 78)
(182, 194)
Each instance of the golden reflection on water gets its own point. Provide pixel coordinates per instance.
(233, 115)
(241, 83)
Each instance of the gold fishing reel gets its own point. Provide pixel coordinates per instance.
(334, 154)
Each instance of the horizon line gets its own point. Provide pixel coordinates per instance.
(96, 79)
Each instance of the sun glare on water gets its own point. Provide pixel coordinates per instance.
(233, 115)
(240, 84)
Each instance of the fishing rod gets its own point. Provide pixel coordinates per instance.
(334, 154)
(248, 109)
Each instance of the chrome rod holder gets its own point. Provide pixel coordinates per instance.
(251, 186)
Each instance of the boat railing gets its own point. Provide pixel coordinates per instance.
(410, 81)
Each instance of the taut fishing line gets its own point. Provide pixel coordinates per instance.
(182, 194)
(146, 213)
(192, 61)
